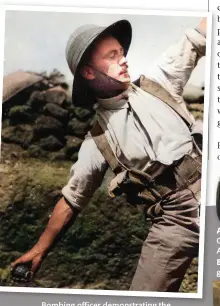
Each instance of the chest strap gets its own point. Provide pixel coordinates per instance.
(161, 93)
(104, 147)
(156, 90)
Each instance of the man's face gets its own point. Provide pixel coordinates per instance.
(108, 57)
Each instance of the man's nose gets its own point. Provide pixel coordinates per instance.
(123, 61)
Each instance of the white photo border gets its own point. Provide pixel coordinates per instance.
(117, 11)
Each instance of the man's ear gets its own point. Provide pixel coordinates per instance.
(87, 72)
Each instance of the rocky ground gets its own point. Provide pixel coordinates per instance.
(41, 135)
(100, 250)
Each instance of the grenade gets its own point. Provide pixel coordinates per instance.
(21, 272)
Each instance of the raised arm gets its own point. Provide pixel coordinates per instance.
(86, 176)
(174, 67)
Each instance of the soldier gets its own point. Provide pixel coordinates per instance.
(144, 132)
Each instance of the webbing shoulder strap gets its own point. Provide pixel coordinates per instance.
(104, 147)
(160, 92)
(156, 90)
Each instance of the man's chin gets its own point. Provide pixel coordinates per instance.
(125, 80)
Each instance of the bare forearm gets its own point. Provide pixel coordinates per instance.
(61, 216)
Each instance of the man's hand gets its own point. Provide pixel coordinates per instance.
(203, 25)
(32, 257)
(60, 218)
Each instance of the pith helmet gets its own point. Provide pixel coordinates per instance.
(80, 43)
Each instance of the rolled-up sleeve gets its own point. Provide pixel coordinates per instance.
(86, 174)
(173, 69)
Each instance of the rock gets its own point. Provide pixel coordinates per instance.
(197, 115)
(72, 145)
(57, 156)
(196, 107)
(5, 123)
(74, 157)
(37, 100)
(68, 105)
(77, 128)
(21, 114)
(20, 134)
(56, 78)
(35, 151)
(55, 96)
(46, 126)
(50, 143)
(54, 110)
(82, 113)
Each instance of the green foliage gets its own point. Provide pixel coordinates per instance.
(100, 250)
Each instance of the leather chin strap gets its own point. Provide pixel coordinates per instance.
(104, 85)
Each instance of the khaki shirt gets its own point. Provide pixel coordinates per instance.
(129, 128)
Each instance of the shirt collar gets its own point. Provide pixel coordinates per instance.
(117, 102)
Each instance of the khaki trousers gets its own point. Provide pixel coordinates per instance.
(170, 246)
